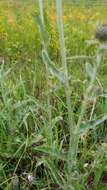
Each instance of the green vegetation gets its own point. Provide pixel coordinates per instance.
(53, 96)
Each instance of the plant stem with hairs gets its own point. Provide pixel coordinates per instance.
(41, 11)
(47, 74)
(71, 122)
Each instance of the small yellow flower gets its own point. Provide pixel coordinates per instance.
(53, 17)
(82, 17)
(65, 18)
(10, 18)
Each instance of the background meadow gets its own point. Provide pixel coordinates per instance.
(34, 155)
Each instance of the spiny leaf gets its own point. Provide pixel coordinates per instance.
(51, 67)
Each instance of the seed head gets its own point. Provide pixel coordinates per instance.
(101, 33)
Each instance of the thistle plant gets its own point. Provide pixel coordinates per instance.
(75, 129)
(71, 123)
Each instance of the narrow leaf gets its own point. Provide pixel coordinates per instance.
(51, 67)
(98, 59)
(92, 125)
(43, 32)
(54, 152)
(89, 69)
(56, 119)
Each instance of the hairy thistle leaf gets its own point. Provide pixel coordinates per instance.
(51, 67)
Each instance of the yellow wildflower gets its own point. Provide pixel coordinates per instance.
(10, 18)
(65, 18)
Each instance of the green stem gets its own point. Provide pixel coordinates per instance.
(47, 76)
(41, 10)
(84, 104)
(66, 85)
